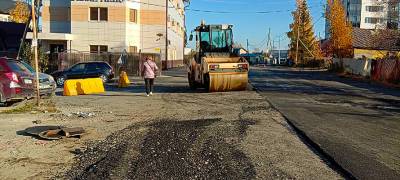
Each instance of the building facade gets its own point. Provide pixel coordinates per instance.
(371, 14)
(97, 26)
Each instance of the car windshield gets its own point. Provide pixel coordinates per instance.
(29, 67)
(17, 66)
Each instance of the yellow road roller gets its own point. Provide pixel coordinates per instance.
(215, 66)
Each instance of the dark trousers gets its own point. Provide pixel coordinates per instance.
(149, 84)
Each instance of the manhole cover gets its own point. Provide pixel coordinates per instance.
(38, 129)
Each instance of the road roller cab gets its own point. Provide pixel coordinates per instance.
(215, 66)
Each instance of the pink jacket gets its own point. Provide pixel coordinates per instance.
(149, 69)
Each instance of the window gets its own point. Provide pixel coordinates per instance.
(98, 14)
(133, 15)
(103, 14)
(17, 66)
(374, 8)
(133, 49)
(218, 38)
(373, 20)
(78, 68)
(103, 48)
(94, 49)
(98, 48)
(103, 66)
(91, 67)
(94, 14)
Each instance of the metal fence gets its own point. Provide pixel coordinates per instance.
(386, 70)
(381, 70)
(129, 62)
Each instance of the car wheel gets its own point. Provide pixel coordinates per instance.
(2, 99)
(60, 81)
(104, 78)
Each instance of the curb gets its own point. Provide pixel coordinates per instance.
(14, 106)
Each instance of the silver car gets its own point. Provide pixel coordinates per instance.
(47, 84)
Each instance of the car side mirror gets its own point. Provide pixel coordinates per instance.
(191, 37)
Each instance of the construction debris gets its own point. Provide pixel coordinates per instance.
(55, 132)
(85, 114)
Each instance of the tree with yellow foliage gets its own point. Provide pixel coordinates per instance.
(302, 33)
(20, 13)
(340, 30)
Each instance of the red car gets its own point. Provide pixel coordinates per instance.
(16, 82)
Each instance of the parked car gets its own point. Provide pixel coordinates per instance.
(85, 70)
(16, 82)
(47, 84)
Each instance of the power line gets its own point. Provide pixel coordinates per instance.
(219, 12)
(243, 12)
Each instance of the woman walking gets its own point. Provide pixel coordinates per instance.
(149, 72)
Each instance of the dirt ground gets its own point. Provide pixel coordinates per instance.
(177, 133)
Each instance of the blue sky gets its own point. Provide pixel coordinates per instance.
(253, 26)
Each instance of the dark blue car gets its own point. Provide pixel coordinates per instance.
(93, 69)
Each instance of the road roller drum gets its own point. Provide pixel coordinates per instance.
(222, 82)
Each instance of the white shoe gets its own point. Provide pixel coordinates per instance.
(147, 95)
(151, 93)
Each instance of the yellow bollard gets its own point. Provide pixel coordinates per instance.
(123, 80)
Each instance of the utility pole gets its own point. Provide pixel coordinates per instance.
(298, 34)
(273, 50)
(35, 49)
(269, 39)
(166, 33)
(279, 50)
(248, 50)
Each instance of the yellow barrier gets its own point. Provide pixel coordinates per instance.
(70, 88)
(95, 86)
(83, 87)
(123, 80)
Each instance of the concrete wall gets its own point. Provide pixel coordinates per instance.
(355, 66)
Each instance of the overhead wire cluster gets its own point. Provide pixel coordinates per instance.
(266, 39)
(218, 11)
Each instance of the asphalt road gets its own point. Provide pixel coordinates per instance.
(356, 123)
(183, 134)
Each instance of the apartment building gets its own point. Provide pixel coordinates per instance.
(98, 26)
(371, 14)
